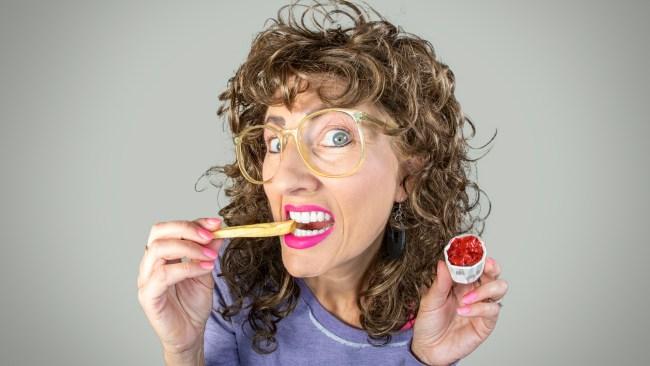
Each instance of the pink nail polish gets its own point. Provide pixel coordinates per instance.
(209, 253)
(205, 234)
(463, 310)
(469, 298)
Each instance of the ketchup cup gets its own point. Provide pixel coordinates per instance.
(471, 267)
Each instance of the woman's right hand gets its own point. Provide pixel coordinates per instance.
(177, 295)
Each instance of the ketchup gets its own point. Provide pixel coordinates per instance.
(465, 251)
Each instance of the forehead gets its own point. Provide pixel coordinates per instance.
(308, 100)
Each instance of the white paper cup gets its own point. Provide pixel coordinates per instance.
(465, 274)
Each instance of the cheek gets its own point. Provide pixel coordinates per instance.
(273, 202)
(374, 184)
(367, 200)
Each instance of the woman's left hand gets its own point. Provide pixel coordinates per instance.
(442, 333)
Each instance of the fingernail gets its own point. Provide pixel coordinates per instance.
(209, 253)
(205, 234)
(206, 265)
(469, 298)
(490, 260)
(463, 310)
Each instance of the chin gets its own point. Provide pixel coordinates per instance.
(301, 266)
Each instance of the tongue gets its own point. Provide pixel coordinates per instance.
(314, 225)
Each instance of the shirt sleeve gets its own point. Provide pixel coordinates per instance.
(220, 342)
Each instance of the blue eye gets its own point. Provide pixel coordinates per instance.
(273, 145)
(339, 138)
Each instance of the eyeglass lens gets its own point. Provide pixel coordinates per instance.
(330, 143)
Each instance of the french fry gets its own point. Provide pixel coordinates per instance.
(256, 230)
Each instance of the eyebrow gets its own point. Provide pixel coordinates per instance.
(279, 120)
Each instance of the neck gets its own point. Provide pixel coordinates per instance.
(338, 290)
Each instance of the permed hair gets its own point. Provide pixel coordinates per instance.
(398, 71)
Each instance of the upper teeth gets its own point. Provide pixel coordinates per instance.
(307, 217)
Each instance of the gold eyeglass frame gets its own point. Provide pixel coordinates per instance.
(357, 116)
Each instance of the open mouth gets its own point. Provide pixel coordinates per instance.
(311, 220)
(314, 225)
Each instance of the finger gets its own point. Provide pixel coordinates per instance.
(170, 274)
(190, 230)
(494, 290)
(438, 293)
(488, 310)
(492, 270)
(163, 251)
(490, 273)
(211, 224)
(462, 289)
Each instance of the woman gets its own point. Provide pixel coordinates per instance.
(353, 131)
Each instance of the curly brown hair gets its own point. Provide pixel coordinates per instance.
(399, 72)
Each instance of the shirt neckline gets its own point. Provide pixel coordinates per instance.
(339, 327)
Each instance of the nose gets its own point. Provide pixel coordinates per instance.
(293, 175)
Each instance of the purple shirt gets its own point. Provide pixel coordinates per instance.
(310, 335)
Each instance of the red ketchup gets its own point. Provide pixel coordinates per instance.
(465, 251)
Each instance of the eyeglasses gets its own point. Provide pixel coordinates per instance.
(330, 142)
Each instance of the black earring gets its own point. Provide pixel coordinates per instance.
(395, 238)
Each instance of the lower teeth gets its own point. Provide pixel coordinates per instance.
(301, 232)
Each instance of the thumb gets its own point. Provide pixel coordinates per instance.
(437, 294)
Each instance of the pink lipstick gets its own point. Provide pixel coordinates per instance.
(304, 242)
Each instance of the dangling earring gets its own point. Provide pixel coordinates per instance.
(395, 238)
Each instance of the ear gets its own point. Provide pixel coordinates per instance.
(405, 182)
(400, 193)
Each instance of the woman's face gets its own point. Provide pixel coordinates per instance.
(359, 204)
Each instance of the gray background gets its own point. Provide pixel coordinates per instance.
(108, 119)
